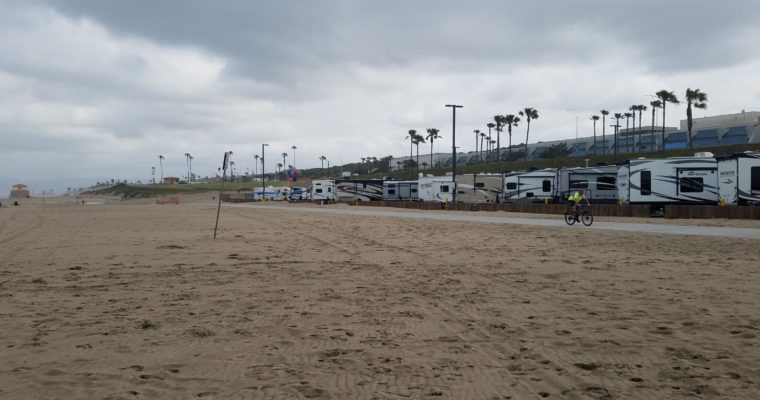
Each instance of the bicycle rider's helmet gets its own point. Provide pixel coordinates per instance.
(581, 191)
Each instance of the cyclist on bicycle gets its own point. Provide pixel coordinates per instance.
(575, 199)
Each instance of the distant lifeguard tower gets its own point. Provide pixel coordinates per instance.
(19, 191)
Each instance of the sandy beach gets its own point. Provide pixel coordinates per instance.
(133, 300)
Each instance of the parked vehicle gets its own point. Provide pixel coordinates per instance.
(436, 188)
(739, 178)
(401, 191)
(323, 190)
(599, 183)
(351, 190)
(480, 188)
(530, 186)
(676, 180)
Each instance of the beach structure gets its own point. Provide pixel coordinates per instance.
(351, 190)
(599, 183)
(19, 191)
(480, 188)
(739, 178)
(400, 190)
(323, 190)
(436, 188)
(674, 180)
(530, 186)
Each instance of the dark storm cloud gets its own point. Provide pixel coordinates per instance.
(281, 39)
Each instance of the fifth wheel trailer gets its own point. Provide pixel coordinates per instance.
(739, 178)
(530, 186)
(599, 183)
(675, 180)
(480, 188)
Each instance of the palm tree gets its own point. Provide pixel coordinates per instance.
(477, 137)
(187, 164)
(640, 108)
(432, 135)
(511, 120)
(229, 159)
(665, 97)
(283, 159)
(322, 159)
(627, 121)
(655, 105)
(417, 140)
(160, 162)
(529, 113)
(256, 164)
(489, 156)
(604, 113)
(482, 136)
(633, 109)
(191, 169)
(499, 119)
(411, 136)
(695, 98)
(594, 118)
(617, 116)
(279, 167)
(294, 154)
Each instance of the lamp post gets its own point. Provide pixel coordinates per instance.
(454, 147)
(262, 170)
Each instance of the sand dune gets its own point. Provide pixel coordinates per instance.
(127, 300)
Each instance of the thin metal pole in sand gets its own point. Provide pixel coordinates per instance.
(221, 189)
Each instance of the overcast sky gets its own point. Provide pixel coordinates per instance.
(93, 90)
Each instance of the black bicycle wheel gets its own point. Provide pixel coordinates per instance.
(569, 217)
(587, 219)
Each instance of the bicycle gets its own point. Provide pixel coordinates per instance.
(582, 214)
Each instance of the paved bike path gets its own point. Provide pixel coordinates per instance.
(558, 222)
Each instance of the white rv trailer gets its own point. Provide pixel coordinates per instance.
(400, 190)
(599, 183)
(271, 193)
(480, 188)
(436, 188)
(530, 186)
(739, 178)
(351, 190)
(323, 190)
(675, 180)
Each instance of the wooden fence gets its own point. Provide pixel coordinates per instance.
(609, 210)
(710, 212)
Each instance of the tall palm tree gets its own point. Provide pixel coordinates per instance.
(511, 120)
(617, 116)
(604, 113)
(482, 136)
(594, 118)
(665, 97)
(695, 98)
(294, 154)
(655, 105)
(229, 160)
(529, 113)
(417, 140)
(640, 108)
(160, 162)
(499, 119)
(279, 167)
(283, 159)
(431, 136)
(411, 136)
(187, 165)
(633, 109)
(256, 164)
(627, 121)
(191, 169)
(322, 159)
(477, 137)
(489, 155)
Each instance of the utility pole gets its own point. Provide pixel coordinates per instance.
(454, 148)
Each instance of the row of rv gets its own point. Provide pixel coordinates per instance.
(702, 179)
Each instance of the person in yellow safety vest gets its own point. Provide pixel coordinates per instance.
(575, 199)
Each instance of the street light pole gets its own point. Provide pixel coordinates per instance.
(262, 170)
(454, 147)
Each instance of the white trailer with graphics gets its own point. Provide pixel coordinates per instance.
(323, 191)
(480, 188)
(352, 190)
(599, 183)
(676, 180)
(401, 190)
(530, 186)
(436, 188)
(739, 178)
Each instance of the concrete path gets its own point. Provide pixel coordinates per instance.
(558, 222)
